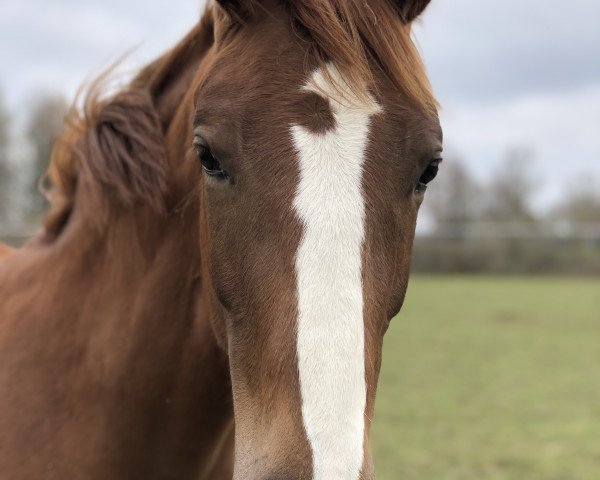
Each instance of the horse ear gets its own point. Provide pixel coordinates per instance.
(411, 9)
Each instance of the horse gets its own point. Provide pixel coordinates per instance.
(5, 250)
(308, 133)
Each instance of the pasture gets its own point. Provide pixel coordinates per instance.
(491, 378)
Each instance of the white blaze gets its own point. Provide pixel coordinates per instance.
(330, 345)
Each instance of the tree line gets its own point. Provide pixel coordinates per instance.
(493, 225)
(26, 143)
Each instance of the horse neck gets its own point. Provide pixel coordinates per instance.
(115, 334)
(5, 251)
(116, 330)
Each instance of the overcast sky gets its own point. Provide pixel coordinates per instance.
(516, 73)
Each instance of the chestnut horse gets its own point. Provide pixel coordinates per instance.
(5, 250)
(165, 303)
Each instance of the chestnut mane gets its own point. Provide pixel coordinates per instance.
(114, 148)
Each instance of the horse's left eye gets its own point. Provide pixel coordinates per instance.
(210, 164)
(428, 175)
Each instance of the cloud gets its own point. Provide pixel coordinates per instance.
(482, 50)
(57, 45)
(560, 129)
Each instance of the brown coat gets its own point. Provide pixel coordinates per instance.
(5, 251)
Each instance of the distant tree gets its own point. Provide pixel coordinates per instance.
(581, 204)
(5, 167)
(454, 199)
(509, 193)
(43, 128)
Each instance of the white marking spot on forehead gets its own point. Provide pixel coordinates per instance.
(330, 345)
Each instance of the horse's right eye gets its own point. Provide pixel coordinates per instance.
(209, 163)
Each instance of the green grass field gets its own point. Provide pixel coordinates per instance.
(491, 378)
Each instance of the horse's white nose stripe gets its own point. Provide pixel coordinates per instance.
(330, 344)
